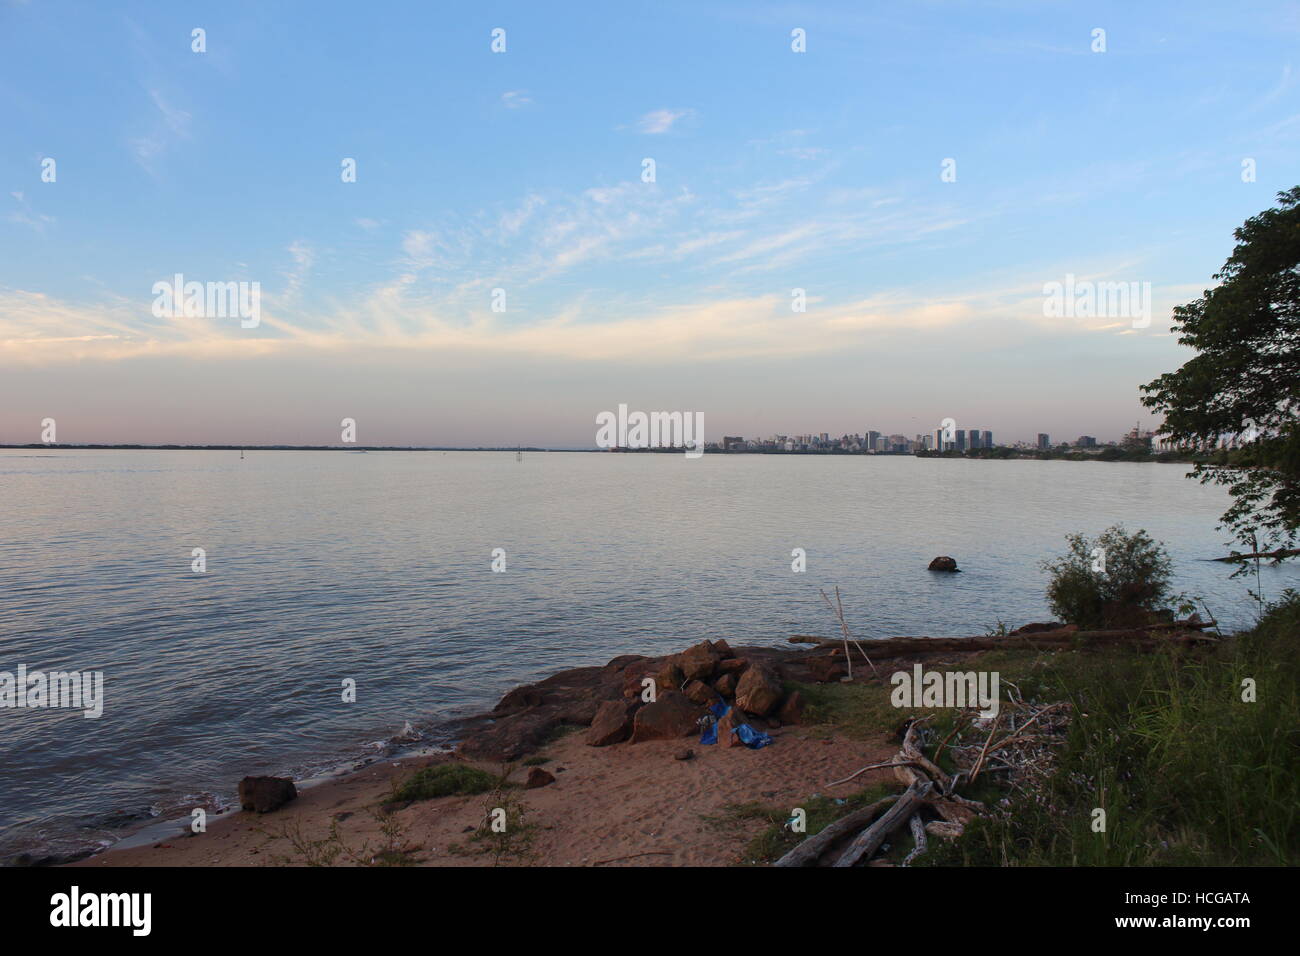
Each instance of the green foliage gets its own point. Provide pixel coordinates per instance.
(444, 780)
(1244, 382)
(1189, 773)
(1128, 590)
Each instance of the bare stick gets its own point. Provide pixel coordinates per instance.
(918, 834)
(975, 770)
(633, 856)
(844, 628)
(874, 766)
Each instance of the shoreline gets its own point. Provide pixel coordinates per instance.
(528, 720)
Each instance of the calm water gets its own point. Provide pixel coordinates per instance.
(331, 565)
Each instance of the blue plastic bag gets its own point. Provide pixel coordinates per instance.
(751, 738)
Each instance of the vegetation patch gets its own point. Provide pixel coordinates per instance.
(444, 780)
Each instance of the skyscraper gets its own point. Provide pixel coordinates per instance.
(1044, 442)
(988, 438)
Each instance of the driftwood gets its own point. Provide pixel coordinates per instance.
(918, 835)
(1064, 636)
(1277, 555)
(869, 840)
(807, 852)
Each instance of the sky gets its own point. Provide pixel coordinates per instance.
(500, 270)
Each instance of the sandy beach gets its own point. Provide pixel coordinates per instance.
(626, 805)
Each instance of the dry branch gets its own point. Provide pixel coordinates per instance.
(810, 850)
(869, 840)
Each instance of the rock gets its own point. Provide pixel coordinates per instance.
(727, 727)
(944, 563)
(733, 665)
(669, 717)
(265, 794)
(515, 736)
(698, 692)
(826, 670)
(519, 699)
(669, 677)
(537, 777)
(612, 724)
(684, 754)
(726, 685)
(759, 691)
(699, 661)
(791, 708)
(724, 649)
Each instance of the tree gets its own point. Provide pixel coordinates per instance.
(1119, 580)
(1244, 383)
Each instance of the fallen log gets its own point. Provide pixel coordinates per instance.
(1277, 555)
(869, 840)
(810, 850)
(1154, 635)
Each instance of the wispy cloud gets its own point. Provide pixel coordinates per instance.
(661, 121)
(26, 215)
(516, 99)
(169, 125)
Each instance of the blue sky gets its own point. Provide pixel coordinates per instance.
(521, 171)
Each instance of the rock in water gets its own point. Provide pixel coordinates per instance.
(944, 563)
(265, 794)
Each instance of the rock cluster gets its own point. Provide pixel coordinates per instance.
(612, 703)
(685, 686)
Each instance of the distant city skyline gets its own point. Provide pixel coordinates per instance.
(970, 210)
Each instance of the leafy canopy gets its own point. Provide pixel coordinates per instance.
(1243, 385)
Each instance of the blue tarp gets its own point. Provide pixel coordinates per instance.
(750, 737)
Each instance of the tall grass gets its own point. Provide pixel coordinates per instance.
(1186, 771)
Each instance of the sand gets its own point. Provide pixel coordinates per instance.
(624, 805)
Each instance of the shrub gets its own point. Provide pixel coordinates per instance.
(1120, 580)
(444, 780)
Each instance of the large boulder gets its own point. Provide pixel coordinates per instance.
(759, 691)
(726, 685)
(698, 661)
(612, 724)
(944, 563)
(265, 794)
(669, 717)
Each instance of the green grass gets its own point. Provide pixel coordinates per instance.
(1187, 773)
(774, 841)
(445, 780)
